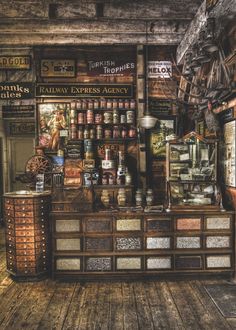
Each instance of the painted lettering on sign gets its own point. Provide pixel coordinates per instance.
(161, 69)
(15, 62)
(57, 68)
(11, 90)
(80, 90)
(118, 67)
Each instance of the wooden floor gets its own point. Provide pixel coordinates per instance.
(182, 304)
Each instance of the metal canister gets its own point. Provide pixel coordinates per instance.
(115, 116)
(132, 104)
(132, 132)
(99, 132)
(121, 104)
(98, 118)
(114, 104)
(126, 104)
(108, 118)
(107, 154)
(123, 119)
(116, 132)
(90, 104)
(109, 104)
(86, 132)
(92, 133)
(80, 118)
(96, 104)
(111, 179)
(73, 132)
(104, 179)
(130, 117)
(79, 105)
(80, 133)
(107, 133)
(90, 117)
(84, 104)
(124, 133)
(103, 104)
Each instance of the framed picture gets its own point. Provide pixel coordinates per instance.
(52, 124)
(165, 127)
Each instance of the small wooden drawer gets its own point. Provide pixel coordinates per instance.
(24, 208)
(188, 242)
(68, 264)
(68, 244)
(10, 232)
(218, 261)
(98, 243)
(98, 264)
(9, 213)
(128, 243)
(26, 239)
(128, 263)
(20, 221)
(99, 225)
(9, 207)
(162, 262)
(11, 257)
(8, 201)
(67, 225)
(20, 201)
(218, 222)
(158, 224)
(25, 245)
(129, 224)
(24, 214)
(188, 223)
(25, 264)
(9, 220)
(188, 262)
(158, 243)
(10, 226)
(218, 242)
(24, 232)
(26, 271)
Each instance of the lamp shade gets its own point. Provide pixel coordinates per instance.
(147, 121)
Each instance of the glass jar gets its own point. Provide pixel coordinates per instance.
(149, 197)
(80, 118)
(99, 132)
(115, 116)
(130, 117)
(108, 118)
(90, 117)
(139, 197)
(86, 132)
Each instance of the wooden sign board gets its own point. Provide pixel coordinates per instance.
(57, 68)
(17, 62)
(18, 111)
(164, 89)
(16, 90)
(21, 128)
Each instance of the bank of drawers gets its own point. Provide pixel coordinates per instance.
(27, 233)
(142, 243)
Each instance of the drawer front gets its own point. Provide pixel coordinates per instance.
(9, 213)
(159, 225)
(24, 208)
(188, 262)
(68, 264)
(22, 201)
(155, 263)
(98, 244)
(219, 261)
(98, 225)
(218, 242)
(128, 243)
(158, 243)
(24, 214)
(193, 242)
(128, 225)
(64, 226)
(20, 221)
(218, 222)
(128, 263)
(67, 244)
(98, 264)
(188, 224)
(8, 201)
(9, 207)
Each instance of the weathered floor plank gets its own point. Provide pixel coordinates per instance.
(130, 312)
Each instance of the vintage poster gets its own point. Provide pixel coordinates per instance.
(166, 127)
(52, 118)
(229, 156)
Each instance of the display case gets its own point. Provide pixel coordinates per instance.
(192, 173)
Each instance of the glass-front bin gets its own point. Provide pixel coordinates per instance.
(192, 173)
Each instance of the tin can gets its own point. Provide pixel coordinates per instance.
(90, 104)
(115, 117)
(108, 118)
(130, 117)
(126, 104)
(109, 104)
(114, 104)
(121, 104)
(98, 118)
(103, 104)
(73, 132)
(111, 179)
(132, 104)
(116, 132)
(124, 133)
(96, 104)
(104, 179)
(79, 105)
(84, 104)
(90, 116)
(86, 132)
(123, 119)
(107, 154)
(99, 132)
(92, 133)
(80, 118)
(80, 133)
(132, 132)
(107, 133)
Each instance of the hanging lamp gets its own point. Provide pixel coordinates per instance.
(147, 121)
